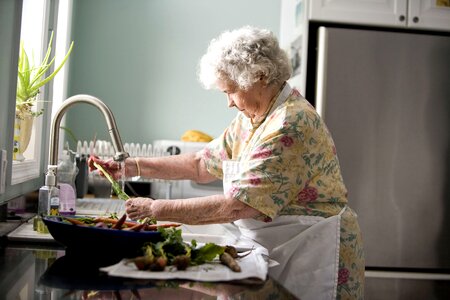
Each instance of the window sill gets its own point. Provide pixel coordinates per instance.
(24, 171)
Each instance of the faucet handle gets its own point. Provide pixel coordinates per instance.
(121, 156)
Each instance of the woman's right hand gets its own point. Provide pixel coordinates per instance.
(111, 166)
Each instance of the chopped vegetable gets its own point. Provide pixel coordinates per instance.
(159, 264)
(230, 262)
(101, 225)
(137, 227)
(142, 262)
(112, 221)
(75, 221)
(173, 251)
(120, 222)
(232, 251)
(181, 262)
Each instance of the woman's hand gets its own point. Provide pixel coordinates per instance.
(139, 208)
(111, 166)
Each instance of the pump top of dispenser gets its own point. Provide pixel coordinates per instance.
(50, 176)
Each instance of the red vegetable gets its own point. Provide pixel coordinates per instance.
(119, 223)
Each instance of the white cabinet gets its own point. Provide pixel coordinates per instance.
(420, 14)
(429, 14)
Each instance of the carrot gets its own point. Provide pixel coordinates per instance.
(112, 221)
(75, 221)
(129, 224)
(136, 227)
(228, 260)
(120, 222)
(154, 227)
(150, 227)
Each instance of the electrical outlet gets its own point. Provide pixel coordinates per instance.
(3, 164)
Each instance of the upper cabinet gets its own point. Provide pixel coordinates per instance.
(429, 14)
(418, 14)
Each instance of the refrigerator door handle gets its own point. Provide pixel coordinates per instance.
(322, 49)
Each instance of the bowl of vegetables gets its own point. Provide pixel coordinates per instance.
(103, 240)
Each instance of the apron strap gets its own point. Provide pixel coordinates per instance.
(342, 210)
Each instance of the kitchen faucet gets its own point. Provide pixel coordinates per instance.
(120, 155)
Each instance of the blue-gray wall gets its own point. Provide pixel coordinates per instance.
(140, 57)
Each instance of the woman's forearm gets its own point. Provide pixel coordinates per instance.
(204, 210)
(184, 166)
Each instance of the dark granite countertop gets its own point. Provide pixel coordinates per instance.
(33, 271)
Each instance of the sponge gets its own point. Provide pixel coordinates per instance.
(196, 136)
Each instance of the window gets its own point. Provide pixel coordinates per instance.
(37, 25)
(33, 33)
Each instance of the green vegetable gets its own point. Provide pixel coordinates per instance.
(115, 185)
(173, 251)
(206, 253)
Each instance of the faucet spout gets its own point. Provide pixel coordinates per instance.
(109, 117)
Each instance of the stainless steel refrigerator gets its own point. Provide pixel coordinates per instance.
(385, 96)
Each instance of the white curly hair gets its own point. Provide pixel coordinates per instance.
(244, 56)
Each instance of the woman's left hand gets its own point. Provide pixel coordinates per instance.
(139, 208)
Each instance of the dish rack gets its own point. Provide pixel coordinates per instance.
(105, 149)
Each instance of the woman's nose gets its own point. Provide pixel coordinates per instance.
(230, 101)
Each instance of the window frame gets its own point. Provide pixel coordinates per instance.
(31, 168)
(27, 176)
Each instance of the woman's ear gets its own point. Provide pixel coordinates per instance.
(263, 80)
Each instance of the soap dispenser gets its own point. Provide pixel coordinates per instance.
(67, 172)
(48, 199)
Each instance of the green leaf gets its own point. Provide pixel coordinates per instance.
(47, 55)
(207, 253)
(31, 78)
(40, 84)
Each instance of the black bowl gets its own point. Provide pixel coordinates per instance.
(99, 246)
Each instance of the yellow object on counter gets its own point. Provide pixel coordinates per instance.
(196, 136)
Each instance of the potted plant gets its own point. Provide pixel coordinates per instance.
(30, 79)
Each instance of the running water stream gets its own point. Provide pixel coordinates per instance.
(122, 177)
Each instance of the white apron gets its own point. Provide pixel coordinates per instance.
(305, 247)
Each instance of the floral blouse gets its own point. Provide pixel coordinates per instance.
(288, 164)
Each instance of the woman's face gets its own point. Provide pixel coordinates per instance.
(250, 102)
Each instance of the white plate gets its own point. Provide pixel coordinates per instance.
(208, 238)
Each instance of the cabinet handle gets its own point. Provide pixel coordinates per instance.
(321, 76)
(416, 19)
(402, 18)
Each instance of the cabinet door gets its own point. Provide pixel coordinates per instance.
(366, 12)
(429, 14)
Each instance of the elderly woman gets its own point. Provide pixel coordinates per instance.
(282, 183)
